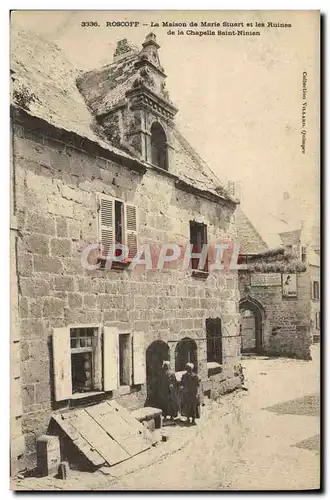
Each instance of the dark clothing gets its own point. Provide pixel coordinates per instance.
(190, 406)
(167, 398)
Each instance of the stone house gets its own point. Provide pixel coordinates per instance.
(97, 159)
(274, 319)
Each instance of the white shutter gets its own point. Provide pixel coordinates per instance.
(62, 363)
(106, 223)
(110, 358)
(139, 358)
(131, 230)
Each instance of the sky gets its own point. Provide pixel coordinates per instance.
(239, 97)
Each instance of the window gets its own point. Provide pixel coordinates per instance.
(117, 224)
(82, 343)
(317, 320)
(158, 147)
(316, 290)
(90, 358)
(198, 238)
(185, 352)
(214, 340)
(124, 359)
(303, 254)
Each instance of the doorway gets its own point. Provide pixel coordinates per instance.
(157, 352)
(251, 326)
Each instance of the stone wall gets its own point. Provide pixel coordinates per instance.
(56, 188)
(314, 273)
(286, 322)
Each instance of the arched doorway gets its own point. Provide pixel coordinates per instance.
(185, 352)
(157, 352)
(251, 326)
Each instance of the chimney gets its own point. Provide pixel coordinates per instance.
(123, 49)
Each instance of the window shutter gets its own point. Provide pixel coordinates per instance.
(106, 223)
(139, 358)
(62, 363)
(110, 358)
(131, 230)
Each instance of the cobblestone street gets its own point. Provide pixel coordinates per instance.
(264, 438)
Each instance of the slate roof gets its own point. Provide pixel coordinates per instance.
(41, 67)
(249, 238)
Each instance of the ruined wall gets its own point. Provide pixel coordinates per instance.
(56, 188)
(286, 328)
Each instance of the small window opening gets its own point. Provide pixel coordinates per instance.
(124, 359)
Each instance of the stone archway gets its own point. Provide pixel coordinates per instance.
(157, 352)
(251, 325)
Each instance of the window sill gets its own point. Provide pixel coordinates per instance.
(82, 395)
(200, 274)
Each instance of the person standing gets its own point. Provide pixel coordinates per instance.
(190, 383)
(167, 392)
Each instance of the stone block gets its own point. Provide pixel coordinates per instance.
(34, 350)
(47, 264)
(38, 223)
(42, 392)
(61, 227)
(36, 244)
(24, 264)
(58, 160)
(75, 300)
(32, 329)
(35, 371)
(61, 247)
(28, 395)
(73, 266)
(64, 283)
(53, 307)
(23, 307)
(35, 308)
(90, 301)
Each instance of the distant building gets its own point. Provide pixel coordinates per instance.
(276, 303)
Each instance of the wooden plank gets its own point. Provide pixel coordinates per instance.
(131, 420)
(129, 438)
(83, 446)
(98, 438)
(111, 421)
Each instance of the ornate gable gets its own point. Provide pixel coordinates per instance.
(131, 104)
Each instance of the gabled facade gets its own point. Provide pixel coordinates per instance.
(116, 170)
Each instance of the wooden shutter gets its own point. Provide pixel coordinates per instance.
(62, 363)
(139, 358)
(106, 223)
(110, 358)
(131, 230)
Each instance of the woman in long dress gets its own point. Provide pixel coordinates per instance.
(190, 383)
(167, 392)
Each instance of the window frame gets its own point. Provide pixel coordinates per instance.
(316, 296)
(196, 272)
(124, 228)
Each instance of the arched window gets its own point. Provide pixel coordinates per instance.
(185, 352)
(158, 147)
